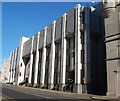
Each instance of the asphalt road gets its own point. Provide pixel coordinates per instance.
(29, 93)
(20, 92)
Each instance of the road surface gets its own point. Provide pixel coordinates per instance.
(28, 93)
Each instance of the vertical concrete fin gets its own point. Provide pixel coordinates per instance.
(52, 58)
(87, 44)
(78, 48)
(31, 62)
(36, 60)
(43, 60)
(63, 54)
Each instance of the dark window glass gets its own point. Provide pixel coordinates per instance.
(21, 64)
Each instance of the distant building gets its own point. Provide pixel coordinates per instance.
(5, 71)
(0, 76)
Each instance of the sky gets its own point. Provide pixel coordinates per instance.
(26, 19)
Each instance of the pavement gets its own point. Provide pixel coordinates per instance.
(15, 93)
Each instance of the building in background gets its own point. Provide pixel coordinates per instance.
(13, 66)
(5, 71)
(0, 76)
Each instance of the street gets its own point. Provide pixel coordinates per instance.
(28, 93)
(20, 92)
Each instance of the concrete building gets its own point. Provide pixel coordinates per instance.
(13, 66)
(111, 13)
(5, 71)
(0, 76)
(67, 55)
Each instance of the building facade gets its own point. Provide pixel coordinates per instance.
(5, 71)
(13, 66)
(65, 55)
(111, 13)
(79, 52)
